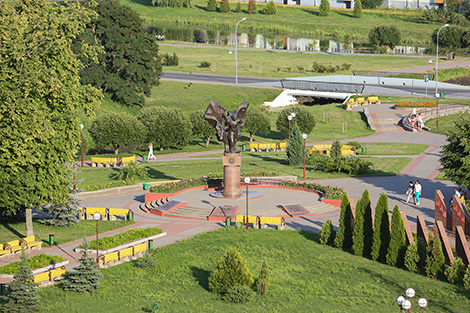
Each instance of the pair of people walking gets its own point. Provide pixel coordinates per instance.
(413, 192)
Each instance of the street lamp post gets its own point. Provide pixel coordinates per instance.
(236, 50)
(290, 119)
(437, 74)
(304, 137)
(81, 135)
(97, 217)
(293, 118)
(247, 182)
(405, 304)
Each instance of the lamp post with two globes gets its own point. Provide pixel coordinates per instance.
(97, 217)
(405, 304)
(236, 50)
(247, 182)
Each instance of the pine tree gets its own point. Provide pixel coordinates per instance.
(397, 248)
(295, 147)
(211, 5)
(252, 7)
(262, 283)
(270, 8)
(86, 276)
(456, 272)
(363, 233)
(335, 151)
(343, 239)
(66, 214)
(381, 237)
(324, 8)
(357, 12)
(435, 260)
(231, 271)
(225, 6)
(327, 233)
(23, 295)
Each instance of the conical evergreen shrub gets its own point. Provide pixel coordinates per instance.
(343, 238)
(435, 260)
(381, 237)
(86, 276)
(231, 271)
(412, 257)
(225, 6)
(295, 148)
(327, 233)
(23, 296)
(262, 283)
(397, 248)
(363, 233)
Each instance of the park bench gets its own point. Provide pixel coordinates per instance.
(325, 149)
(120, 254)
(90, 211)
(371, 100)
(39, 278)
(113, 212)
(102, 161)
(57, 272)
(31, 241)
(49, 275)
(241, 219)
(268, 146)
(13, 246)
(264, 221)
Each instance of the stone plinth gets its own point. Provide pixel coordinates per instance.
(232, 163)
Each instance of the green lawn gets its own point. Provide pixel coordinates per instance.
(393, 148)
(12, 231)
(162, 171)
(264, 63)
(306, 277)
(339, 23)
(445, 122)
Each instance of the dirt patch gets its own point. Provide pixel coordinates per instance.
(464, 81)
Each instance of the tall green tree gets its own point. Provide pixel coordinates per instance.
(211, 5)
(225, 6)
(327, 233)
(40, 100)
(256, 121)
(456, 153)
(381, 238)
(343, 239)
(166, 127)
(117, 130)
(23, 296)
(363, 233)
(357, 12)
(435, 260)
(324, 9)
(385, 36)
(397, 248)
(200, 127)
(303, 118)
(130, 65)
(295, 147)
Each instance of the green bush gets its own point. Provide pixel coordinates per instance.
(350, 165)
(231, 271)
(170, 60)
(324, 9)
(145, 262)
(412, 257)
(451, 37)
(125, 237)
(270, 8)
(466, 278)
(295, 147)
(385, 36)
(381, 238)
(225, 6)
(456, 272)
(335, 151)
(357, 12)
(355, 144)
(397, 247)
(238, 8)
(343, 238)
(262, 282)
(329, 192)
(130, 172)
(327, 233)
(238, 294)
(303, 118)
(252, 7)
(35, 262)
(211, 5)
(173, 3)
(435, 261)
(205, 64)
(371, 4)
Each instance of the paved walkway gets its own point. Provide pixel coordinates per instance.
(423, 167)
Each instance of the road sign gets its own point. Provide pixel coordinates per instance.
(426, 78)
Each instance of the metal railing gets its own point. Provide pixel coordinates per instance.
(322, 86)
(394, 74)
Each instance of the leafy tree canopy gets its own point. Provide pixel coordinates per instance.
(371, 4)
(130, 65)
(256, 121)
(385, 36)
(200, 127)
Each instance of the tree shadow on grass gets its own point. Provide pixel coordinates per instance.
(313, 12)
(202, 276)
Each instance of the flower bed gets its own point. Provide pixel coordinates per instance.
(125, 237)
(329, 192)
(35, 262)
(416, 104)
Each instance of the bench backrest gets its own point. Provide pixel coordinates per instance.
(242, 218)
(140, 248)
(254, 145)
(128, 159)
(111, 256)
(57, 272)
(118, 212)
(14, 243)
(91, 211)
(103, 160)
(359, 100)
(263, 146)
(373, 99)
(41, 277)
(283, 144)
(271, 220)
(30, 239)
(126, 252)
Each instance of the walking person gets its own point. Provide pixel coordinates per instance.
(411, 193)
(417, 191)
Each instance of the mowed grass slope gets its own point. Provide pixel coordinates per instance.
(306, 277)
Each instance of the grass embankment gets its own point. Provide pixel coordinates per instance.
(306, 277)
(262, 63)
(292, 20)
(446, 123)
(171, 170)
(12, 231)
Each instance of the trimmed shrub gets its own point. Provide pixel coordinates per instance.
(381, 237)
(466, 278)
(205, 64)
(145, 262)
(327, 233)
(435, 260)
(303, 118)
(211, 5)
(231, 271)
(34, 262)
(371, 4)
(343, 239)
(363, 233)
(225, 6)
(357, 12)
(124, 237)
(169, 60)
(456, 272)
(329, 192)
(252, 7)
(335, 151)
(238, 8)
(356, 144)
(397, 248)
(270, 8)
(256, 121)
(238, 294)
(295, 147)
(412, 258)
(385, 36)
(262, 283)
(131, 171)
(324, 9)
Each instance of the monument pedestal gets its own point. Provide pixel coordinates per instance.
(232, 163)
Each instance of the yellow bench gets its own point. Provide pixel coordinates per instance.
(13, 245)
(102, 160)
(3, 251)
(373, 100)
(272, 220)
(57, 272)
(118, 212)
(31, 241)
(126, 252)
(268, 146)
(325, 149)
(242, 219)
(111, 257)
(91, 211)
(283, 145)
(140, 248)
(38, 278)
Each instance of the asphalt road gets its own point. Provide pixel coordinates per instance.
(275, 83)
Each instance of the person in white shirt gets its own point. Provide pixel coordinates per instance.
(417, 191)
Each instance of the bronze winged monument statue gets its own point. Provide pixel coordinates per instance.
(227, 124)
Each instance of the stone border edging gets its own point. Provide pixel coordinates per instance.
(109, 191)
(40, 270)
(126, 245)
(369, 118)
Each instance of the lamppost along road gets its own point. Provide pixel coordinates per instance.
(437, 75)
(236, 50)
